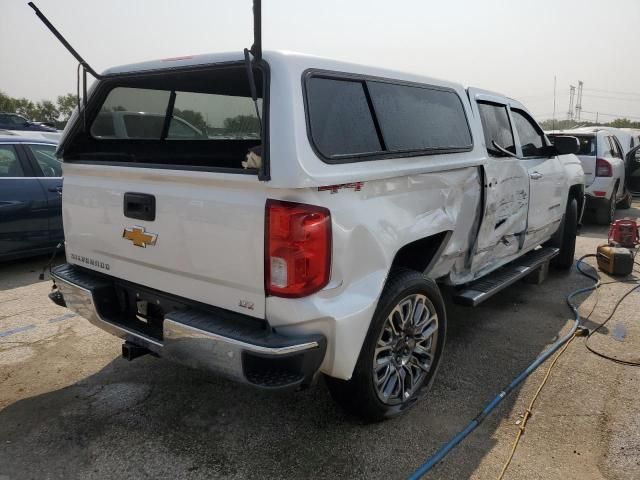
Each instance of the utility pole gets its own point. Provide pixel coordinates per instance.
(579, 101)
(572, 94)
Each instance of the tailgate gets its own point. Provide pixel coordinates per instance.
(205, 244)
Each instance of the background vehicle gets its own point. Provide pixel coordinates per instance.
(633, 170)
(121, 124)
(624, 136)
(634, 133)
(53, 137)
(30, 197)
(374, 188)
(603, 161)
(13, 121)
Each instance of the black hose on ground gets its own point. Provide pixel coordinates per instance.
(460, 436)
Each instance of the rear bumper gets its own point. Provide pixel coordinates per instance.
(217, 340)
(596, 203)
(599, 184)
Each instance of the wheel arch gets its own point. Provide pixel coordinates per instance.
(577, 191)
(422, 254)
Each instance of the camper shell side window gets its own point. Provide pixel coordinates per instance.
(353, 118)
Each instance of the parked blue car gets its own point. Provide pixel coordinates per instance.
(30, 197)
(13, 121)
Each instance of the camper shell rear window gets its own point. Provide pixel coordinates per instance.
(202, 118)
(352, 118)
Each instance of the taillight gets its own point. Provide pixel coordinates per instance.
(603, 168)
(297, 248)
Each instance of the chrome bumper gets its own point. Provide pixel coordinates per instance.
(199, 339)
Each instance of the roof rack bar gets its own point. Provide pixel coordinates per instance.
(64, 42)
(256, 48)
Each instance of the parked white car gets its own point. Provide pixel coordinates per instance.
(47, 136)
(374, 189)
(624, 136)
(603, 160)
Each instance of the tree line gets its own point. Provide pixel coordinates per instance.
(568, 124)
(57, 112)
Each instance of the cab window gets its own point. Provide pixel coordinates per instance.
(531, 138)
(497, 128)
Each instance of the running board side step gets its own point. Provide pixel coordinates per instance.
(474, 293)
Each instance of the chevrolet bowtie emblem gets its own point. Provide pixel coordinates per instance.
(139, 237)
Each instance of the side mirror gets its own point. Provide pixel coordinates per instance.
(566, 145)
(546, 151)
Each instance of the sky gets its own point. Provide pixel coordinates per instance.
(513, 47)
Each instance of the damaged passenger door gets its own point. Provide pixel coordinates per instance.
(506, 186)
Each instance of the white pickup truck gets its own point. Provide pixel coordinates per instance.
(374, 189)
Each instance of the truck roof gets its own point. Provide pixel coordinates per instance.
(285, 59)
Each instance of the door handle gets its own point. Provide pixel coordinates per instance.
(141, 206)
(57, 190)
(535, 175)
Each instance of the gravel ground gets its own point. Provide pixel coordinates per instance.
(70, 407)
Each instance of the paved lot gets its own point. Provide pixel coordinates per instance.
(71, 408)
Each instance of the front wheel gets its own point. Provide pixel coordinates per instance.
(401, 351)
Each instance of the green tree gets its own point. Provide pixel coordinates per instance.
(7, 104)
(194, 118)
(25, 107)
(66, 104)
(46, 111)
(569, 124)
(242, 124)
(623, 123)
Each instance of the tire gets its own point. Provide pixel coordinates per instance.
(566, 240)
(403, 372)
(604, 216)
(625, 203)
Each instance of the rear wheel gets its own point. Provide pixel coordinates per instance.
(627, 200)
(566, 239)
(401, 351)
(606, 215)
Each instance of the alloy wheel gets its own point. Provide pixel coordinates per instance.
(405, 349)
